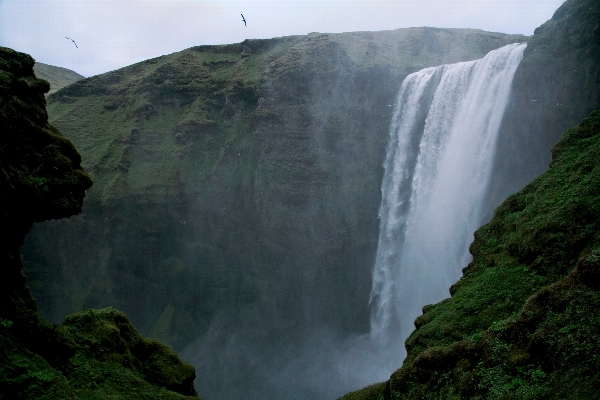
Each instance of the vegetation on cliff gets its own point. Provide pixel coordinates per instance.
(94, 354)
(243, 180)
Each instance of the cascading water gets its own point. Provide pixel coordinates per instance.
(437, 168)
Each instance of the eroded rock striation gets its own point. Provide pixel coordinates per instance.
(94, 353)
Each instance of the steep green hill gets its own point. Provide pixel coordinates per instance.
(58, 77)
(238, 181)
(95, 354)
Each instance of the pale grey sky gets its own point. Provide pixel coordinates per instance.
(115, 33)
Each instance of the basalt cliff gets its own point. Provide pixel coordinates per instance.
(236, 189)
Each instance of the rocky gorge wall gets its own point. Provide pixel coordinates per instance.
(555, 87)
(237, 187)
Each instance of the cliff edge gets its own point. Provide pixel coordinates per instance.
(523, 320)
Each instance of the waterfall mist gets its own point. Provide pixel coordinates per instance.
(441, 143)
(437, 168)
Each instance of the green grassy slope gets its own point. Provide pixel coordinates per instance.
(104, 358)
(234, 179)
(58, 77)
(208, 98)
(523, 321)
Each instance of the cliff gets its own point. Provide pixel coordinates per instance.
(237, 187)
(556, 86)
(238, 182)
(523, 321)
(93, 354)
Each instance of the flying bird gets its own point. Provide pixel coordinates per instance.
(244, 19)
(72, 41)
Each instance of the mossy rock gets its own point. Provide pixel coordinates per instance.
(111, 350)
(95, 354)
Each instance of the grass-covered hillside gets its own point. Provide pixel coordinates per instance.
(524, 320)
(58, 77)
(96, 354)
(239, 181)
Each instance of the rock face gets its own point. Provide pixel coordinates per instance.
(523, 320)
(556, 86)
(42, 179)
(236, 196)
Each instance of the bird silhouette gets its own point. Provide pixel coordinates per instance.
(244, 19)
(72, 41)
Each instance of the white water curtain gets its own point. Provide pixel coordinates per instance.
(438, 164)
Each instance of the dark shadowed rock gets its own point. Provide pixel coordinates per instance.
(42, 179)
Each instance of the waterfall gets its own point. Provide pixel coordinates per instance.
(439, 157)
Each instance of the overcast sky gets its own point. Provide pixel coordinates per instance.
(115, 33)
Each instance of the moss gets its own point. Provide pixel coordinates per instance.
(41, 172)
(372, 392)
(121, 360)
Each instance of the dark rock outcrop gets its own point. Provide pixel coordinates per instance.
(42, 179)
